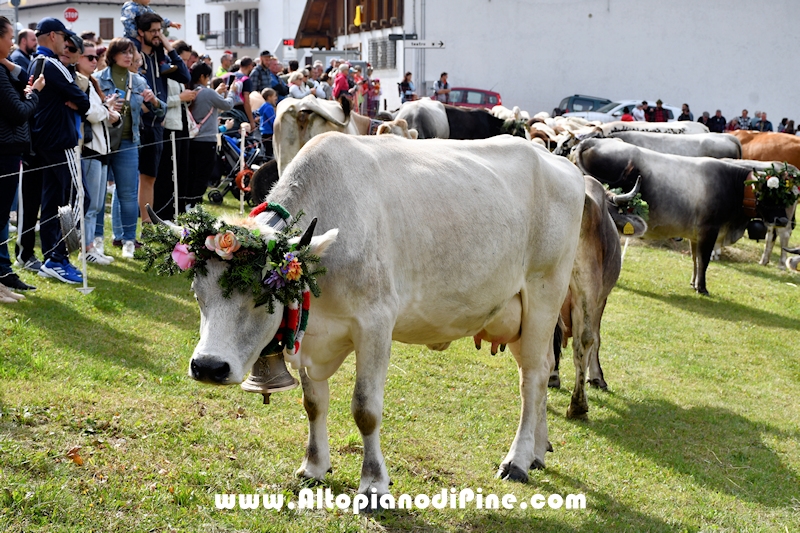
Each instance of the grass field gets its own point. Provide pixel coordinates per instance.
(102, 430)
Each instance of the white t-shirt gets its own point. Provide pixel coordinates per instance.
(638, 114)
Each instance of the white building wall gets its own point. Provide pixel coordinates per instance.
(278, 20)
(89, 17)
(712, 54)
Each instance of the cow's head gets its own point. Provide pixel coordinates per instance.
(241, 285)
(298, 121)
(628, 222)
(775, 192)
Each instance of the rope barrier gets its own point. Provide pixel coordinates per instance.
(124, 226)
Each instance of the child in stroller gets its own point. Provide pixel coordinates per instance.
(234, 176)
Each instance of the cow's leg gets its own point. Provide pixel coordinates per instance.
(693, 246)
(769, 242)
(784, 234)
(316, 399)
(704, 246)
(595, 370)
(582, 341)
(530, 443)
(554, 381)
(372, 364)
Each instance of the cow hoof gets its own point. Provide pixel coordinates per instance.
(549, 446)
(537, 464)
(306, 473)
(511, 472)
(577, 413)
(702, 292)
(554, 382)
(598, 383)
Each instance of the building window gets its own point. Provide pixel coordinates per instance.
(203, 23)
(251, 28)
(106, 29)
(382, 54)
(232, 28)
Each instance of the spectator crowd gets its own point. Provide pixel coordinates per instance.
(78, 111)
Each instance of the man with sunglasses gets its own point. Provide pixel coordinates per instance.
(54, 132)
(150, 34)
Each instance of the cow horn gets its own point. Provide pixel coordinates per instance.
(793, 250)
(305, 240)
(622, 199)
(157, 220)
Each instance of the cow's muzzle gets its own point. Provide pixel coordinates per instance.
(209, 370)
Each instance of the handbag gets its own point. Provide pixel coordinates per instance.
(194, 126)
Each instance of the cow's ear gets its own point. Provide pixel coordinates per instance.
(321, 243)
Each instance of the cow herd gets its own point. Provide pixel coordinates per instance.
(448, 229)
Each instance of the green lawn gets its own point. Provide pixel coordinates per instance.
(699, 431)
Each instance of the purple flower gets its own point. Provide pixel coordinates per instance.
(274, 280)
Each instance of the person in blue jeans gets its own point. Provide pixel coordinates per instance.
(123, 160)
(54, 131)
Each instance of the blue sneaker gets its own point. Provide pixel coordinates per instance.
(64, 272)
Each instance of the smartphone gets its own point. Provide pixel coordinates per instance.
(120, 94)
(38, 68)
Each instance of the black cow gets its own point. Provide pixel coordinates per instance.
(468, 123)
(697, 198)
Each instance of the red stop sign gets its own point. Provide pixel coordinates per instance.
(70, 14)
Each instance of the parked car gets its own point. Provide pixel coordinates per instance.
(475, 98)
(580, 102)
(613, 111)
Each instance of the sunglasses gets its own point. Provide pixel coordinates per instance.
(71, 49)
(91, 57)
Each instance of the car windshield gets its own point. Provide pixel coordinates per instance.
(608, 107)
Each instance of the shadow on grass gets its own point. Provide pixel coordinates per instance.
(74, 332)
(717, 448)
(602, 513)
(719, 308)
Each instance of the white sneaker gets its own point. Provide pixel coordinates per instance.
(93, 257)
(128, 247)
(99, 246)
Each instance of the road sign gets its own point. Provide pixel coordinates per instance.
(402, 36)
(425, 44)
(70, 14)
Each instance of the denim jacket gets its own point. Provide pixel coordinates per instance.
(139, 84)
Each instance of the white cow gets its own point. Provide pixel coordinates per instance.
(436, 240)
(719, 145)
(426, 116)
(298, 121)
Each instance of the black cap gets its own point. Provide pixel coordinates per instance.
(77, 42)
(48, 24)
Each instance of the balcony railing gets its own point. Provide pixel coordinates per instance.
(222, 39)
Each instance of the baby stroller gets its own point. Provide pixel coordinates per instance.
(235, 178)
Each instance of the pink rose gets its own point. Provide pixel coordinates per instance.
(224, 244)
(183, 257)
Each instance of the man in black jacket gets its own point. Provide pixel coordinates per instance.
(149, 28)
(717, 123)
(54, 131)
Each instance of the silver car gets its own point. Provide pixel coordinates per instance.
(613, 111)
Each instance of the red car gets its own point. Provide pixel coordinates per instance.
(475, 98)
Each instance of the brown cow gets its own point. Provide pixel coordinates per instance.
(769, 146)
(594, 274)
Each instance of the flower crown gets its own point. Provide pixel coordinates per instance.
(279, 268)
(781, 187)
